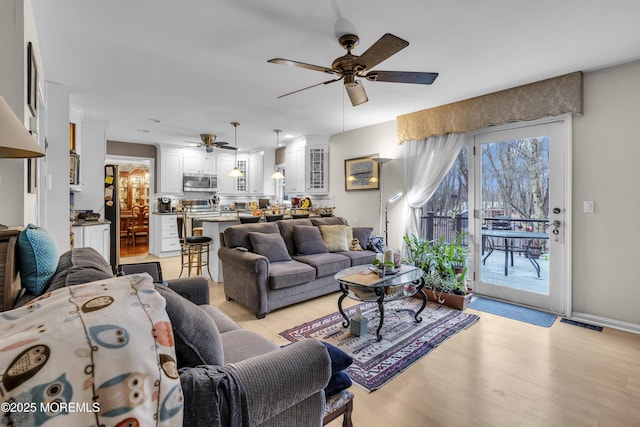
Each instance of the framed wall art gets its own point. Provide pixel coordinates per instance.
(361, 173)
(32, 80)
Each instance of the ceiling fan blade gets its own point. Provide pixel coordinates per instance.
(385, 47)
(225, 147)
(291, 63)
(309, 87)
(415, 77)
(356, 93)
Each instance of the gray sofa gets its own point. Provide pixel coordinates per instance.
(281, 386)
(271, 265)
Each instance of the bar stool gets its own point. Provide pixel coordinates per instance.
(249, 219)
(194, 250)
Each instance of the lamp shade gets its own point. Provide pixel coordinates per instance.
(15, 141)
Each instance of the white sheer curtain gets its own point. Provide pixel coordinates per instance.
(426, 162)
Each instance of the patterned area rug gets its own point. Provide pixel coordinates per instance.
(403, 342)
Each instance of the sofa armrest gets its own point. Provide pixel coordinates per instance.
(278, 380)
(195, 289)
(243, 260)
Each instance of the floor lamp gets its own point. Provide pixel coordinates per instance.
(382, 161)
(386, 217)
(15, 141)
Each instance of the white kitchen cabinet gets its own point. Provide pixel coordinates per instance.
(171, 171)
(164, 240)
(317, 165)
(199, 161)
(261, 167)
(228, 185)
(94, 236)
(294, 168)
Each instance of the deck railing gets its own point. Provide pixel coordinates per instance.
(434, 226)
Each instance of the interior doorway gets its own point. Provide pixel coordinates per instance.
(135, 189)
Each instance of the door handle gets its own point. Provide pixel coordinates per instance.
(555, 224)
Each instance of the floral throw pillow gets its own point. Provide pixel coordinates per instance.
(100, 353)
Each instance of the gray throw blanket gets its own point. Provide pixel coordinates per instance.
(213, 397)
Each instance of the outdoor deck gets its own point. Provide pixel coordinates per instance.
(521, 276)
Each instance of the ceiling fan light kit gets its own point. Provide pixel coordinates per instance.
(277, 174)
(209, 142)
(349, 66)
(235, 172)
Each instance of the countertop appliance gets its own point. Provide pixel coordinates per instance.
(199, 183)
(164, 204)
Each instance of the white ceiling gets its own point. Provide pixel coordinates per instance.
(197, 65)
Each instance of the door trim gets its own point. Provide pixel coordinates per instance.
(567, 160)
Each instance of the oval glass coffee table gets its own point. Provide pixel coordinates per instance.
(362, 284)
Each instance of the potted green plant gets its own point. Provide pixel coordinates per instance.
(444, 268)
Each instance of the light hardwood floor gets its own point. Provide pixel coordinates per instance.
(499, 372)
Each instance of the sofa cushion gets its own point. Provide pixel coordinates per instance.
(331, 220)
(270, 245)
(241, 344)
(92, 344)
(77, 266)
(338, 382)
(289, 273)
(223, 322)
(286, 230)
(336, 237)
(37, 257)
(325, 264)
(238, 235)
(362, 234)
(308, 240)
(197, 339)
(359, 257)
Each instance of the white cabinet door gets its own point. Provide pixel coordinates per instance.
(256, 173)
(199, 161)
(317, 167)
(171, 171)
(225, 183)
(295, 167)
(93, 236)
(193, 162)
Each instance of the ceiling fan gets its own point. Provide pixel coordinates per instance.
(350, 66)
(210, 143)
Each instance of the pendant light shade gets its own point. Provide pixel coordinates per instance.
(235, 172)
(277, 174)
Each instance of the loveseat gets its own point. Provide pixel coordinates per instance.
(275, 264)
(228, 376)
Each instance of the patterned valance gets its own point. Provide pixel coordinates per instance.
(545, 98)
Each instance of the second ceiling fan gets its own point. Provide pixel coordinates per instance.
(350, 66)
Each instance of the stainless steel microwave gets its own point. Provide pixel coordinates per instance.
(199, 182)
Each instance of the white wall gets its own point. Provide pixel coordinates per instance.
(606, 151)
(93, 149)
(17, 28)
(364, 207)
(57, 165)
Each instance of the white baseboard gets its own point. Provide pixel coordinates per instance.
(606, 322)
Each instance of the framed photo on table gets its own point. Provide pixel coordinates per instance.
(361, 173)
(32, 80)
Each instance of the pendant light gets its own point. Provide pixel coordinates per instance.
(235, 172)
(277, 174)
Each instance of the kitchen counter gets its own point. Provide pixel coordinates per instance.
(85, 223)
(224, 218)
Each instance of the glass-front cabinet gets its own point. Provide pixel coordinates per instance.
(133, 189)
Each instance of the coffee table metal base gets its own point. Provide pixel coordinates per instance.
(380, 293)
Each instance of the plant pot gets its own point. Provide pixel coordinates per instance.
(535, 252)
(459, 302)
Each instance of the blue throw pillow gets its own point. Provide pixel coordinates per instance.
(337, 383)
(339, 359)
(37, 258)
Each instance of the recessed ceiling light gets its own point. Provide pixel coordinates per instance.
(153, 120)
(143, 130)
